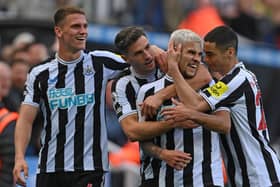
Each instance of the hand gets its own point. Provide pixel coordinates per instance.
(174, 55)
(20, 165)
(150, 105)
(179, 113)
(188, 124)
(160, 58)
(175, 159)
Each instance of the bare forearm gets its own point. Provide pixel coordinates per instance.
(151, 149)
(184, 91)
(22, 138)
(166, 93)
(139, 131)
(219, 122)
(24, 128)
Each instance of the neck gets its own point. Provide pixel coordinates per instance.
(68, 56)
(141, 74)
(229, 67)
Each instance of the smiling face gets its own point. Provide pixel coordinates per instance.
(190, 60)
(219, 60)
(139, 55)
(72, 33)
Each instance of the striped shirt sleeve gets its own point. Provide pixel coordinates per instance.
(123, 96)
(224, 91)
(31, 91)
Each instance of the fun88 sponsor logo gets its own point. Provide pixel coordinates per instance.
(65, 98)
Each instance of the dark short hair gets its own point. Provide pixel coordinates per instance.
(223, 36)
(61, 13)
(128, 36)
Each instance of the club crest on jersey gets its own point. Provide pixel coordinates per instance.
(88, 70)
(218, 89)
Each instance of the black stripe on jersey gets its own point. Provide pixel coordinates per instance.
(229, 77)
(170, 145)
(110, 63)
(79, 119)
(240, 155)
(229, 100)
(230, 162)
(188, 148)
(97, 63)
(225, 80)
(62, 121)
(37, 91)
(124, 73)
(149, 92)
(43, 79)
(251, 112)
(141, 82)
(130, 95)
(206, 163)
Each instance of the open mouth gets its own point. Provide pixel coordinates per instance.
(148, 63)
(193, 66)
(81, 38)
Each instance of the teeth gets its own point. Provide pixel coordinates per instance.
(193, 66)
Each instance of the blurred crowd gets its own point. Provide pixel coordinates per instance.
(257, 20)
(21, 55)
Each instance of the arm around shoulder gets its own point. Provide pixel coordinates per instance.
(138, 131)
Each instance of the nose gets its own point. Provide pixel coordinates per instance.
(147, 54)
(197, 57)
(84, 30)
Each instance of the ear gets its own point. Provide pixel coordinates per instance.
(231, 51)
(57, 31)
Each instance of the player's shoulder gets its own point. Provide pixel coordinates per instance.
(125, 75)
(105, 54)
(152, 86)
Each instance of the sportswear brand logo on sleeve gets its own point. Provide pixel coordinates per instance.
(218, 89)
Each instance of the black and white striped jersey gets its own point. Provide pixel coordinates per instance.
(125, 89)
(250, 160)
(204, 146)
(71, 96)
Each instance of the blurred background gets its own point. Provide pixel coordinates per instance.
(27, 38)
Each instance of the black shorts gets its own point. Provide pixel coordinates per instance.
(149, 183)
(70, 179)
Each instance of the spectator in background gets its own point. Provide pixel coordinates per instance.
(202, 19)
(37, 52)
(7, 127)
(19, 69)
(22, 39)
(6, 53)
(20, 54)
(149, 13)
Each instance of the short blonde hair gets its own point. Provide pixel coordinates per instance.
(181, 36)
